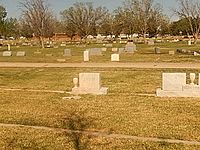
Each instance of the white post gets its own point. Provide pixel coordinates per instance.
(8, 47)
(189, 42)
(86, 56)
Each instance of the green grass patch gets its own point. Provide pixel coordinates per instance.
(145, 53)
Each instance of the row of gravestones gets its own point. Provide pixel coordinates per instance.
(173, 85)
(86, 56)
(9, 53)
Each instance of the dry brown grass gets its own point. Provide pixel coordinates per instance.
(121, 111)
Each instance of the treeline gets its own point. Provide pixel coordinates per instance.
(134, 16)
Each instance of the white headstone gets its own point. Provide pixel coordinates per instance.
(109, 45)
(196, 54)
(103, 49)
(61, 60)
(86, 56)
(174, 85)
(7, 53)
(21, 53)
(171, 52)
(8, 47)
(173, 81)
(62, 44)
(89, 83)
(48, 55)
(115, 57)
(114, 49)
(189, 42)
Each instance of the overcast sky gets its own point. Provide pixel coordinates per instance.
(13, 6)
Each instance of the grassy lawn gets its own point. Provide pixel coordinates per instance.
(122, 111)
(145, 53)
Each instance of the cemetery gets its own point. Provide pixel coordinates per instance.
(129, 102)
(93, 78)
(124, 100)
(121, 100)
(168, 52)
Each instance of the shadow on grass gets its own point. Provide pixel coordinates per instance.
(20, 143)
(77, 121)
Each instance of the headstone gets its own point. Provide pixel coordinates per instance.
(157, 50)
(151, 42)
(184, 50)
(115, 57)
(109, 45)
(48, 46)
(7, 53)
(171, 53)
(48, 55)
(130, 47)
(103, 49)
(89, 83)
(63, 45)
(86, 55)
(173, 81)
(174, 85)
(95, 52)
(67, 52)
(21, 53)
(114, 49)
(196, 54)
(121, 50)
(8, 47)
(61, 60)
(199, 80)
(24, 44)
(189, 42)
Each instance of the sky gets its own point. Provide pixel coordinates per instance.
(13, 6)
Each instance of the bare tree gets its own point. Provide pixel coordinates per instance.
(190, 10)
(143, 11)
(136, 16)
(83, 19)
(38, 17)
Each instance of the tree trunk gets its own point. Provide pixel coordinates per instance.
(144, 36)
(195, 38)
(42, 42)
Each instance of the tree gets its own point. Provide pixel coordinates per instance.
(83, 19)
(8, 26)
(180, 27)
(11, 27)
(140, 16)
(3, 15)
(190, 10)
(38, 18)
(124, 20)
(144, 12)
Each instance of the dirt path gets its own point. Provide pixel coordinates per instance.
(150, 65)
(105, 135)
